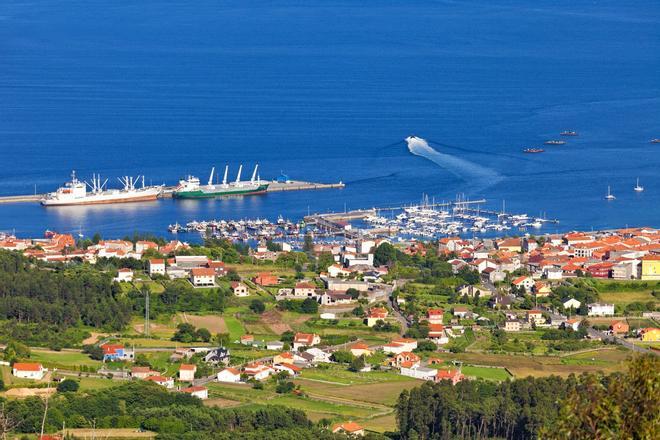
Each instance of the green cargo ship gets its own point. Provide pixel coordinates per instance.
(191, 188)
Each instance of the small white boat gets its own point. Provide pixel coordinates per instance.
(638, 187)
(609, 195)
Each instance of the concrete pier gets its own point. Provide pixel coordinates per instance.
(292, 185)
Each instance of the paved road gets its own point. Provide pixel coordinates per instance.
(596, 334)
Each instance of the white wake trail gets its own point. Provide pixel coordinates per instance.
(461, 168)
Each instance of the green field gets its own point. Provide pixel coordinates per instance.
(627, 297)
(63, 359)
(234, 327)
(497, 374)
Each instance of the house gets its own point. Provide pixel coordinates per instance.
(156, 266)
(239, 289)
(197, 391)
(399, 345)
(265, 279)
(435, 316)
(191, 261)
(305, 340)
(572, 324)
(348, 428)
(454, 376)
(360, 349)
(650, 334)
(418, 372)
(217, 356)
(330, 298)
(405, 359)
(247, 339)
(512, 325)
(525, 282)
(116, 352)
(553, 273)
(283, 358)
(142, 372)
(376, 314)
(461, 312)
(142, 246)
(600, 309)
(541, 289)
(342, 285)
(28, 370)
(651, 267)
(500, 301)
(166, 382)
(275, 345)
(317, 355)
(472, 291)
(124, 275)
(202, 277)
(619, 327)
(187, 372)
(337, 270)
(571, 303)
(437, 334)
(510, 245)
(305, 289)
(229, 375)
(258, 371)
(290, 369)
(218, 267)
(535, 317)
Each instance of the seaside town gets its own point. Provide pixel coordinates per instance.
(279, 319)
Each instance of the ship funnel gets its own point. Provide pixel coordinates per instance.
(224, 179)
(211, 176)
(254, 174)
(238, 177)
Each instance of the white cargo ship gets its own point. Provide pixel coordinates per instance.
(75, 192)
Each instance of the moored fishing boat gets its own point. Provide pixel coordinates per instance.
(191, 188)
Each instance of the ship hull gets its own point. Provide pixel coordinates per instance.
(101, 200)
(209, 194)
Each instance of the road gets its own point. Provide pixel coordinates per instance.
(596, 334)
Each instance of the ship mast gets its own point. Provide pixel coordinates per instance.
(254, 174)
(238, 177)
(224, 179)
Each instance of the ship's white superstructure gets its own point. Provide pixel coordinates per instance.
(75, 192)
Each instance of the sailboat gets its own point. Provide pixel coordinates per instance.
(638, 187)
(609, 195)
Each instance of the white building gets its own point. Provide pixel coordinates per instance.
(203, 277)
(199, 392)
(124, 276)
(572, 304)
(156, 266)
(420, 373)
(229, 375)
(600, 309)
(187, 372)
(28, 370)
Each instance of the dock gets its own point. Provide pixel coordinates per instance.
(274, 186)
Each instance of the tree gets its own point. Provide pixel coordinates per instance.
(94, 351)
(384, 254)
(287, 337)
(342, 357)
(353, 292)
(203, 335)
(68, 386)
(185, 332)
(308, 245)
(357, 364)
(309, 305)
(257, 306)
(284, 387)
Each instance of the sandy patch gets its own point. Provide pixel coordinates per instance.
(29, 392)
(94, 338)
(273, 319)
(213, 323)
(222, 403)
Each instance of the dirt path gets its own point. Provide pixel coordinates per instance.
(94, 338)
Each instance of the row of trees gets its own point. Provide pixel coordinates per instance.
(586, 407)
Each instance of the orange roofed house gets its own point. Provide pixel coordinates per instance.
(202, 276)
(28, 370)
(265, 279)
(348, 428)
(305, 340)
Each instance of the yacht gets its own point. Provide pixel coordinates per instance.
(638, 187)
(609, 195)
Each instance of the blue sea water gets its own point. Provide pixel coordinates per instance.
(327, 91)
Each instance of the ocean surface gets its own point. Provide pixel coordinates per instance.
(327, 91)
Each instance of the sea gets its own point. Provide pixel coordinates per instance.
(327, 91)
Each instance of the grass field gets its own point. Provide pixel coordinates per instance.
(63, 359)
(626, 297)
(384, 393)
(496, 374)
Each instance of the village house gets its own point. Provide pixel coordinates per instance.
(143, 246)
(265, 279)
(541, 289)
(229, 375)
(360, 349)
(512, 325)
(600, 309)
(454, 376)
(305, 290)
(258, 371)
(341, 285)
(376, 314)
(437, 334)
(435, 316)
(571, 303)
(197, 391)
(215, 356)
(116, 352)
(419, 372)
(275, 345)
(651, 267)
(573, 324)
(163, 381)
(348, 428)
(290, 369)
(535, 317)
(28, 370)
(247, 339)
(461, 312)
(472, 291)
(399, 345)
(218, 267)
(142, 372)
(124, 275)
(188, 262)
(619, 327)
(156, 267)
(283, 358)
(187, 372)
(650, 334)
(202, 277)
(330, 298)
(305, 340)
(405, 359)
(338, 270)
(239, 289)
(525, 282)
(510, 245)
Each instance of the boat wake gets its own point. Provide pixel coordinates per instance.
(461, 168)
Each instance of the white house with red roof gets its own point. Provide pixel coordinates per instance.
(435, 316)
(524, 281)
(229, 375)
(202, 277)
(305, 340)
(197, 391)
(290, 369)
(376, 314)
(156, 266)
(124, 275)
(348, 428)
(258, 371)
(163, 381)
(28, 370)
(187, 372)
